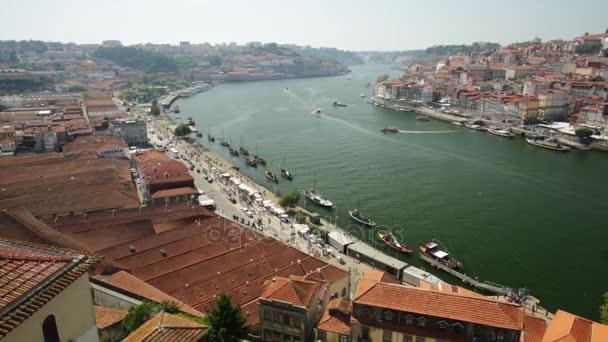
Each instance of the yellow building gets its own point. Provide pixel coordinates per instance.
(47, 296)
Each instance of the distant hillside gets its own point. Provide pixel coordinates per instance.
(444, 50)
(137, 58)
(387, 56)
(340, 56)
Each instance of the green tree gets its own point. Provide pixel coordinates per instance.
(382, 78)
(597, 79)
(182, 130)
(155, 110)
(226, 322)
(300, 218)
(141, 313)
(289, 199)
(604, 309)
(2, 108)
(584, 135)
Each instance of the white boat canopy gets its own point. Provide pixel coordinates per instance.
(439, 254)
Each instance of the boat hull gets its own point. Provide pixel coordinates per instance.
(369, 223)
(318, 202)
(548, 147)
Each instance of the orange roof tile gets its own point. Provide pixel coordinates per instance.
(166, 327)
(534, 329)
(134, 285)
(336, 317)
(567, 327)
(105, 317)
(290, 290)
(174, 192)
(440, 304)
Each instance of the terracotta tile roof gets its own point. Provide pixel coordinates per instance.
(150, 155)
(336, 317)
(174, 192)
(105, 317)
(534, 329)
(165, 327)
(439, 304)
(93, 143)
(31, 275)
(290, 290)
(567, 327)
(137, 287)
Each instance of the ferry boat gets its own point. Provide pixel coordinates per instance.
(364, 220)
(389, 129)
(389, 239)
(315, 197)
(548, 143)
(433, 251)
(474, 126)
(271, 176)
(506, 133)
(339, 104)
(285, 173)
(422, 118)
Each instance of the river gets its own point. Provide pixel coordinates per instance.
(511, 212)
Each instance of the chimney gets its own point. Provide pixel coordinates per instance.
(132, 248)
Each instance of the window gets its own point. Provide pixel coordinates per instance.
(408, 338)
(443, 325)
(500, 335)
(343, 338)
(344, 292)
(49, 329)
(421, 322)
(295, 322)
(409, 320)
(321, 335)
(387, 336)
(419, 339)
(388, 316)
(286, 320)
(276, 317)
(365, 333)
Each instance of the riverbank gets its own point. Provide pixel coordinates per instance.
(563, 139)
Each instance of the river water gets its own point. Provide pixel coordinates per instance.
(511, 212)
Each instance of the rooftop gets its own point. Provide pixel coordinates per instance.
(32, 275)
(568, 327)
(290, 290)
(457, 306)
(93, 143)
(105, 317)
(166, 327)
(336, 317)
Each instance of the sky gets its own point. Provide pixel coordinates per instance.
(344, 24)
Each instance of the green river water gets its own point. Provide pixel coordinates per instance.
(513, 213)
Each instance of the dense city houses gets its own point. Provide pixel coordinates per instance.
(521, 83)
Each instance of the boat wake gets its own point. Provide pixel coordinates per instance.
(426, 132)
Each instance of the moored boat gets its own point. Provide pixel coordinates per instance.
(506, 133)
(433, 251)
(364, 220)
(422, 117)
(389, 239)
(548, 143)
(339, 104)
(361, 95)
(243, 151)
(251, 162)
(389, 129)
(233, 152)
(271, 176)
(474, 126)
(317, 198)
(285, 173)
(259, 160)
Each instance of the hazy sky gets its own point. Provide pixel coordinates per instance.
(345, 24)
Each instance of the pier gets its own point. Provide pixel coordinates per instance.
(481, 285)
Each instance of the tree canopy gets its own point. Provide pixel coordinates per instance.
(141, 313)
(137, 58)
(226, 322)
(382, 78)
(289, 199)
(182, 130)
(604, 309)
